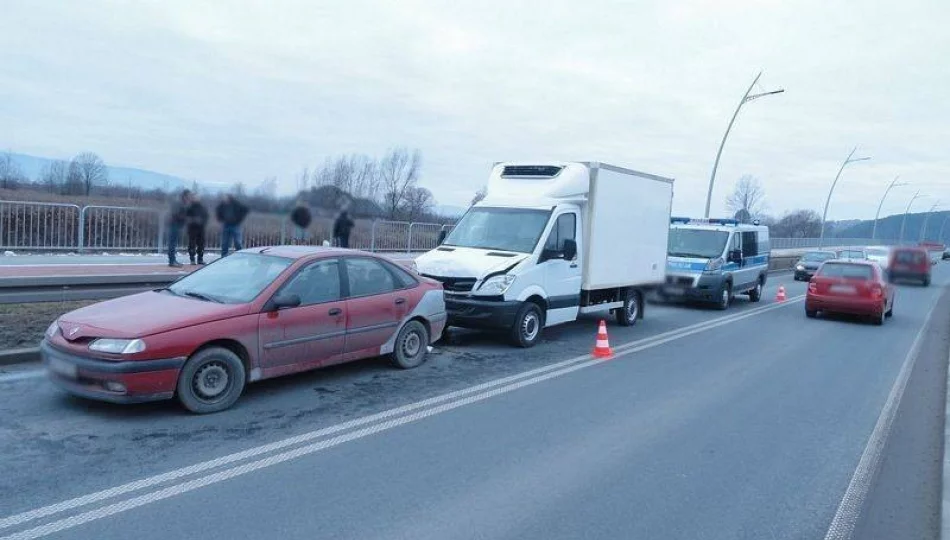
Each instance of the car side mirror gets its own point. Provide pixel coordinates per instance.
(442, 234)
(570, 249)
(735, 256)
(284, 301)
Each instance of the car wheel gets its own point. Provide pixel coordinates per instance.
(211, 380)
(878, 319)
(756, 293)
(725, 297)
(411, 346)
(811, 313)
(526, 331)
(927, 282)
(630, 312)
(890, 310)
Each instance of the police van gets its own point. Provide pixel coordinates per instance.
(712, 260)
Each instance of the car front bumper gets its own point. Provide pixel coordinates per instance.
(707, 288)
(126, 381)
(477, 313)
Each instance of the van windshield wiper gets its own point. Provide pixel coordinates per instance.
(201, 296)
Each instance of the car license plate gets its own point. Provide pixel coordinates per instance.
(843, 289)
(62, 368)
(674, 291)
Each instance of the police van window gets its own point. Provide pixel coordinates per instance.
(564, 229)
(735, 242)
(750, 244)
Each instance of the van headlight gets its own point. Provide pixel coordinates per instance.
(496, 284)
(800, 267)
(52, 330)
(117, 346)
(714, 265)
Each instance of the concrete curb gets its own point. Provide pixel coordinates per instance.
(19, 356)
(945, 479)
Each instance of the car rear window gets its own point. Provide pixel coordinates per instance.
(849, 271)
(817, 256)
(909, 257)
(851, 254)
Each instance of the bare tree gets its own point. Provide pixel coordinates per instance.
(398, 171)
(54, 175)
(479, 195)
(747, 197)
(303, 179)
(87, 170)
(10, 174)
(417, 204)
(267, 188)
(797, 224)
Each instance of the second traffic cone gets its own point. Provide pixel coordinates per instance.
(780, 297)
(602, 345)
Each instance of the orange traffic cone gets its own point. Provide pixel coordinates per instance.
(780, 297)
(602, 346)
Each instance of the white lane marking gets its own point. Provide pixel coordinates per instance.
(21, 375)
(84, 500)
(238, 470)
(846, 517)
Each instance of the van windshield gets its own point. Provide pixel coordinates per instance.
(502, 229)
(701, 243)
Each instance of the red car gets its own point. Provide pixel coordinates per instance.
(253, 315)
(854, 287)
(910, 263)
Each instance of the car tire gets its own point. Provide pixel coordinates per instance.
(890, 311)
(526, 331)
(411, 346)
(630, 312)
(926, 282)
(725, 297)
(811, 313)
(211, 381)
(878, 320)
(755, 294)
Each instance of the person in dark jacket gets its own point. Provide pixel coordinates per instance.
(301, 218)
(341, 230)
(197, 220)
(177, 217)
(231, 213)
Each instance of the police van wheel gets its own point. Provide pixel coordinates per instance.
(756, 293)
(725, 297)
(630, 312)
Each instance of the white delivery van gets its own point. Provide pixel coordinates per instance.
(551, 241)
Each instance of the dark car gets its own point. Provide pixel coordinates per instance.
(946, 255)
(253, 315)
(910, 263)
(806, 267)
(854, 287)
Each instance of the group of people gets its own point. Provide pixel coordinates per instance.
(188, 213)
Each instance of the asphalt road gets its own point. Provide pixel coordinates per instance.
(749, 423)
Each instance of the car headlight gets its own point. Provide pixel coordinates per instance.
(714, 265)
(52, 330)
(800, 267)
(117, 346)
(497, 284)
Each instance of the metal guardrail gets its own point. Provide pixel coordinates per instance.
(39, 226)
(812, 243)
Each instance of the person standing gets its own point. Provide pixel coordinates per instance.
(341, 230)
(231, 213)
(301, 217)
(197, 217)
(177, 216)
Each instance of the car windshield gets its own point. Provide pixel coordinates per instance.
(851, 254)
(818, 256)
(502, 229)
(701, 243)
(235, 279)
(847, 271)
(909, 257)
(877, 252)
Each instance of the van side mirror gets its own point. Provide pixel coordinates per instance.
(570, 249)
(735, 256)
(284, 301)
(442, 234)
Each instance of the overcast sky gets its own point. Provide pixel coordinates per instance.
(236, 91)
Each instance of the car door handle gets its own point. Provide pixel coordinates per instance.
(335, 311)
(400, 301)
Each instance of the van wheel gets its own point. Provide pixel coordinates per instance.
(526, 331)
(725, 297)
(756, 293)
(630, 312)
(926, 282)
(411, 347)
(211, 381)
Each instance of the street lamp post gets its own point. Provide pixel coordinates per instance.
(878, 214)
(824, 215)
(923, 227)
(900, 240)
(745, 99)
(940, 234)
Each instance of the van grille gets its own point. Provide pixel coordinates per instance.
(679, 280)
(456, 285)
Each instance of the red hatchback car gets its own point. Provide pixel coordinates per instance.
(853, 287)
(253, 315)
(910, 263)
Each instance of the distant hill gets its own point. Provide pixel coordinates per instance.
(32, 167)
(889, 228)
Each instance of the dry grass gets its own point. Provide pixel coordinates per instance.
(23, 325)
